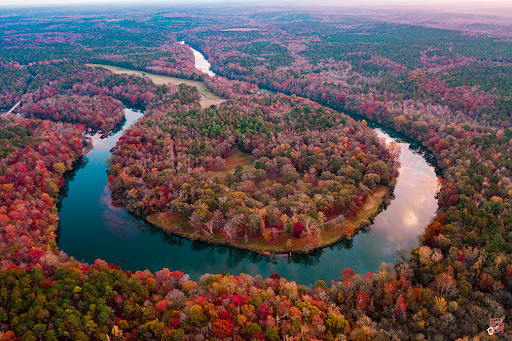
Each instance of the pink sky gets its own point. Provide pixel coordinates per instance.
(459, 5)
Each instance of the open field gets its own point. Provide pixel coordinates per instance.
(209, 98)
(238, 158)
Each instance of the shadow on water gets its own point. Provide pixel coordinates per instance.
(117, 128)
(91, 227)
(69, 177)
(82, 163)
(235, 257)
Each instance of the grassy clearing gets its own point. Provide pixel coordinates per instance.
(207, 102)
(169, 222)
(209, 97)
(372, 203)
(237, 158)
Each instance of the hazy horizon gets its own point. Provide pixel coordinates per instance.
(457, 5)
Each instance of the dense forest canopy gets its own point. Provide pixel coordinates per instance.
(251, 167)
(449, 90)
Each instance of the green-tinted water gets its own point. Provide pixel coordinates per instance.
(91, 228)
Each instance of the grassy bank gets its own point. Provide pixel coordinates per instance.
(331, 233)
(209, 97)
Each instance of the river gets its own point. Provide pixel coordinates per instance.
(200, 62)
(90, 227)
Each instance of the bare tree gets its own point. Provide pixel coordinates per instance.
(209, 227)
(230, 230)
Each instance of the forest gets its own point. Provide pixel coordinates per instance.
(251, 168)
(279, 155)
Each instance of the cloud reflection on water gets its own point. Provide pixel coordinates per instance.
(91, 227)
(413, 205)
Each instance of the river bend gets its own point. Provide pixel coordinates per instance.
(90, 227)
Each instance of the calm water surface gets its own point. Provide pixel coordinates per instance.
(200, 62)
(91, 228)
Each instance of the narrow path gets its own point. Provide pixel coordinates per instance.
(12, 109)
(342, 215)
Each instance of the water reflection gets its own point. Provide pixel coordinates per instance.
(91, 227)
(200, 62)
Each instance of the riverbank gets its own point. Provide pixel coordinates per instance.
(208, 97)
(92, 228)
(332, 232)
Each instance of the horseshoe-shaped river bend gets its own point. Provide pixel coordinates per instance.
(91, 228)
